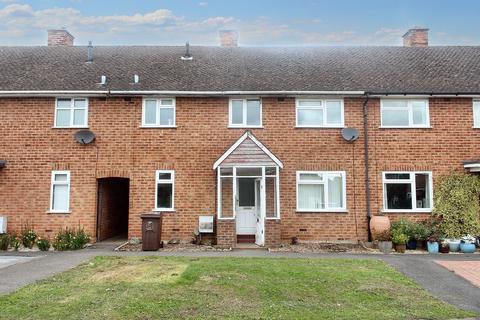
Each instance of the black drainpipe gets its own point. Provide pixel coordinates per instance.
(367, 178)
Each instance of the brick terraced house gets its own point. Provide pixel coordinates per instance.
(251, 136)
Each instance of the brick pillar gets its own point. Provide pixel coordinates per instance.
(226, 234)
(273, 235)
(60, 38)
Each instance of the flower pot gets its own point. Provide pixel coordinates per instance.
(421, 244)
(444, 249)
(412, 245)
(400, 248)
(432, 247)
(467, 247)
(385, 246)
(454, 245)
(379, 224)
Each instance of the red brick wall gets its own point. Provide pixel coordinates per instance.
(123, 149)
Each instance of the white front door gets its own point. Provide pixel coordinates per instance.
(246, 206)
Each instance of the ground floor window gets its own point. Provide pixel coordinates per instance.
(321, 191)
(60, 192)
(407, 191)
(165, 190)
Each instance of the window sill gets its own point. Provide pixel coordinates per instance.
(58, 212)
(323, 211)
(406, 127)
(55, 127)
(158, 127)
(321, 127)
(244, 127)
(407, 211)
(164, 210)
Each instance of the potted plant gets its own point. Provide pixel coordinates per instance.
(384, 241)
(421, 234)
(432, 244)
(467, 244)
(444, 246)
(400, 240)
(454, 245)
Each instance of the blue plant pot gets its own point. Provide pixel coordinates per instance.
(467, 247)
(432, 247)
(412, 244)
(454, 245)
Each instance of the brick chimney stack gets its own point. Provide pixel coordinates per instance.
(60, 38)
(416, 37)
(228, 38)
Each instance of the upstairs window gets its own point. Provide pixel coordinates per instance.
(165, 190)
(319, 113)
(404, 113)
(476, 113)
(158, 113)
(245, 113)
(320, 191)
(60, 192)
(71, 113)
(407, 191)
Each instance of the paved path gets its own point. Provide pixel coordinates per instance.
(423, 269)
(469, 270)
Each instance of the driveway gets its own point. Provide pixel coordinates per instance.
(423, 269)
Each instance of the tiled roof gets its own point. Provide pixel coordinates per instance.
(370, 69)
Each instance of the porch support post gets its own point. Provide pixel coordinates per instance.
(234, 191)
(277, 191)
(219, 194)
(263, 201)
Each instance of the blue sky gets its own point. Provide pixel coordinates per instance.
(259, 23)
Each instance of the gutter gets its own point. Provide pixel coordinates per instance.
(366, 161)
(46, 93)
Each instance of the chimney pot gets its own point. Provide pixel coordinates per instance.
(416, 37)
(228, 38)
(60, 38)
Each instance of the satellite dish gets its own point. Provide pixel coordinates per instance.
(350, 134)
(84, 136)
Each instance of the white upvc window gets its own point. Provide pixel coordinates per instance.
(158, 112)
(319, 191)
(476, 113)
(407, 191)
(317, 113)
(404, 113)
(165, 190)
(71, 113)
(245, 113)
(60, 192)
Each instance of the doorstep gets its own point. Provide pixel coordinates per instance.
(248, 246)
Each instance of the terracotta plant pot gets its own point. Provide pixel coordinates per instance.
(400, 248)
(379, 224)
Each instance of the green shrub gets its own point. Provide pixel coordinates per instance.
(43, 244)
(4, 241)
(398, 237)
(70, 239)
(404, 226)
(14, 242)
(420, 232)
(457, 205)
(28, 237)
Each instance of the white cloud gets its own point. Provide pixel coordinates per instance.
(203, 4)
(20, 24)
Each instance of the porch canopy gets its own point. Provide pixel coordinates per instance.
(248, 158)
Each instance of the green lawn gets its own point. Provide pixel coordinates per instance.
(231, 288)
